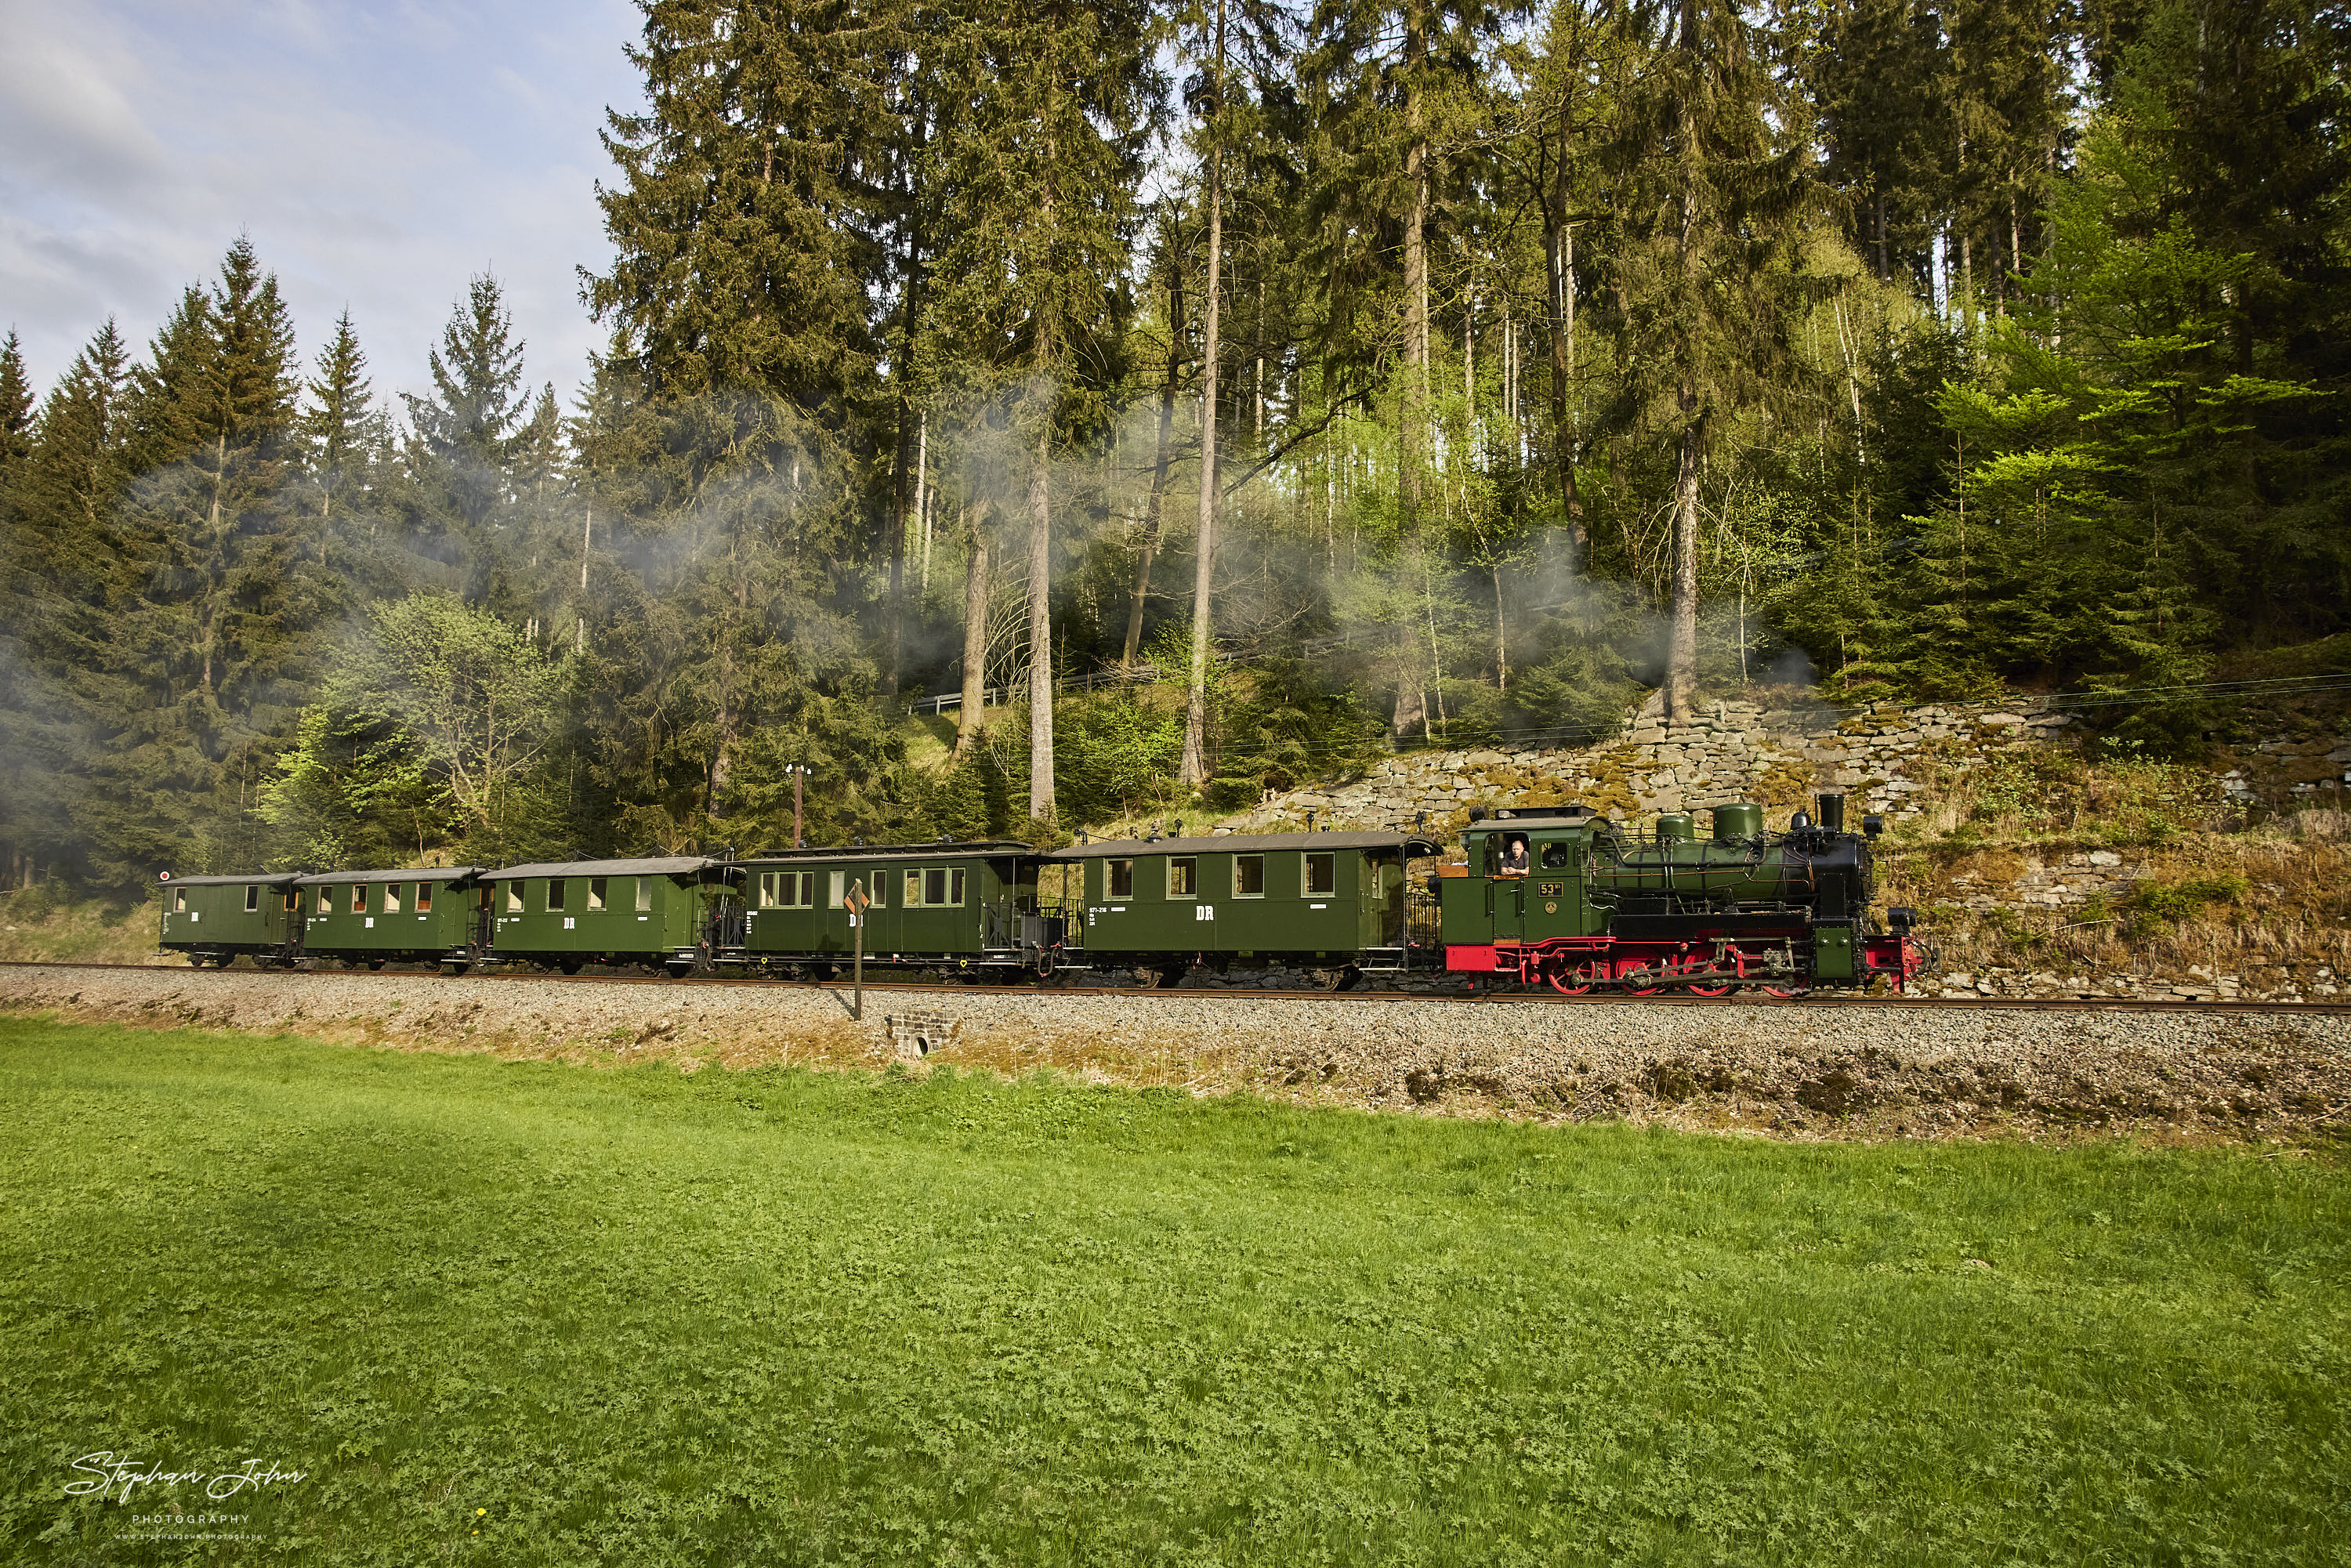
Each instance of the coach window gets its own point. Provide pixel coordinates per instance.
(1249, 876)
(179, 901)
(767, 890)
(1322, 875)
(644, 895)
(326, 901)
(391, 898)
(554, 894)
(359, 898)
(1121, 879)
(514, 898)
(1183, 876)
(424, 897)
(595, 894)
(913, 898)
(253, 898)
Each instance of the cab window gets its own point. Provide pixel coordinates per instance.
(1555, 855)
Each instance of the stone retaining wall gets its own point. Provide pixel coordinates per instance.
(1735, 751)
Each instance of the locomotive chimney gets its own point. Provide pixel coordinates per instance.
(1832, 812)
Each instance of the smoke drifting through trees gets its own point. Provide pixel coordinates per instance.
(1558, 354)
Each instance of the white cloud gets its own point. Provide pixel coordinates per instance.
(377, 156)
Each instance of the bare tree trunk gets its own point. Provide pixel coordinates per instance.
(1501, 635)
(1153, 512)
(971, 718)
(1193, 770)
(1040, 629)
(1681, 659)
(1563, 371)
(923, 493)
(1412, 445)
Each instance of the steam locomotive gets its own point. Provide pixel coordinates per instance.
(1565, 898)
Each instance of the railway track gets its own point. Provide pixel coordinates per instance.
(1456, 998)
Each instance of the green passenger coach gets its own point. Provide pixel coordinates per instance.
(673, 912)
(1332, 900)
(212, 919)
(958, 903)
(435, 914)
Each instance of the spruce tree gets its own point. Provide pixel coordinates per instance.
(1053, 110)
(15, 410)
(211, 649)
(464, 438)
(1714, 231)
(335, 425)
(1393, 77)
(751, 193)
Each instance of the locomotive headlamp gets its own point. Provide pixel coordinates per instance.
(1901, 920)
(1873, 825)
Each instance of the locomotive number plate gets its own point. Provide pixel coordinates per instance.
(1551, 889)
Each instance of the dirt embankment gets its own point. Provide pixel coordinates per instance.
(1792, 1071)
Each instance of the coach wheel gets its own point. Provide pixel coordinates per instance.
(572, 965)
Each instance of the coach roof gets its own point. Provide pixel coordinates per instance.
(452, 874)
(943, 848)
(1411, 845)
(265, 878)
(661, 865)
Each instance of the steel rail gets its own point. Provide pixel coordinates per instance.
(1483, 997)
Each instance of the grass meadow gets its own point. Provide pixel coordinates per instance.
(521, 1314)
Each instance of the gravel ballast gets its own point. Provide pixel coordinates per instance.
(1850, 1070)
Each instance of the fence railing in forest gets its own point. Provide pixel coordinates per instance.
(997, 696)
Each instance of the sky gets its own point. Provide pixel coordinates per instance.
(377, 155)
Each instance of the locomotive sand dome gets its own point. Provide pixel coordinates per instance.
(1563, 897)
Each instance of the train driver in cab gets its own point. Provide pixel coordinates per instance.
(1514, 856)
